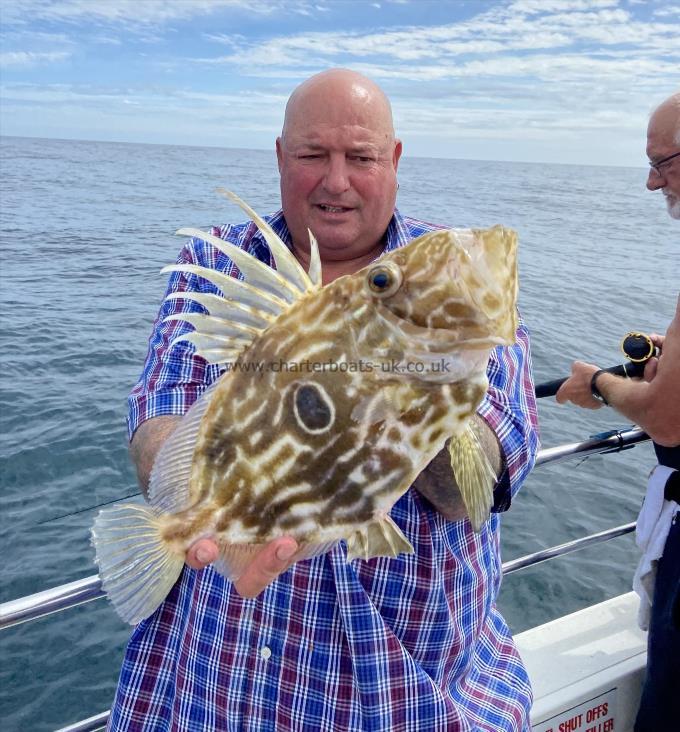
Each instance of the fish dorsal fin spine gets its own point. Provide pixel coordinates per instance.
(231, 287)
(256, 273)
(221, 308)
(314, 260)
(248, 307)
(286, 263)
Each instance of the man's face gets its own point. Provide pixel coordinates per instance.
(338, 162)
(661, 142)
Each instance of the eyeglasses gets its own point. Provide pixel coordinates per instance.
(657, 165)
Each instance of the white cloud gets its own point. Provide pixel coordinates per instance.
(235, 40)
(144, 12)
(106, 40)
(30, 58)
(533, 7)
(242, 111)
(587, 29)
(667, 12)
(20, 35)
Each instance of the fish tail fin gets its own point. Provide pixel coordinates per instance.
(136, 567)
(474, 475)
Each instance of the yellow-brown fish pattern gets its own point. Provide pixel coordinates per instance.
(333, 400)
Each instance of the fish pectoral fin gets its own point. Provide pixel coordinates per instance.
(170, 490)
(136, 567)
(381, 538)
(475, 476)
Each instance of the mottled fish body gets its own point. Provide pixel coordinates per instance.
(335, 398)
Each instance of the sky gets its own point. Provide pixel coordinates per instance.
(564, 81)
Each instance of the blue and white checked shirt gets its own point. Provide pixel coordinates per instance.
(405, 644)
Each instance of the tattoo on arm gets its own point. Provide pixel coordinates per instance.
(438, 484)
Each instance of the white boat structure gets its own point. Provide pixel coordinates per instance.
(586, 668)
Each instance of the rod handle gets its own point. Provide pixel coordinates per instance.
(629, 369)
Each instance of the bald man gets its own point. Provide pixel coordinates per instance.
(410, 643)
(653, 403)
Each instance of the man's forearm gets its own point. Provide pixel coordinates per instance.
(146, 443)
(438, 484)
(650, 405)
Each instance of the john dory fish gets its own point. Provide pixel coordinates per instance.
(323, 453)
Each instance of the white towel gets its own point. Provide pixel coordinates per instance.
(653, 525)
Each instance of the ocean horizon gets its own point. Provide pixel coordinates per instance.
(267, 149)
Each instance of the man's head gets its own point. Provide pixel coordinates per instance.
(663, 141)
(338, 161)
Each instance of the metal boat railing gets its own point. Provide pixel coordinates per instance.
(88, 589)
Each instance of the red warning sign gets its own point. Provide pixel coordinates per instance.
(594, 715)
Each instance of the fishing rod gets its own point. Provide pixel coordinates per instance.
(638, 349)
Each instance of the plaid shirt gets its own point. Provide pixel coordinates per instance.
(404, 644)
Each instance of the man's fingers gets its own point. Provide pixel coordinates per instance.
(657, 340)
(561, 395)
(266, 567)
(201, 553)
(650, 369)
(263, 569)
(576, 388)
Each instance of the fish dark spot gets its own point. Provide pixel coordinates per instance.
(394, 435)
(436, 434)
(313, 408)
(464, 392)
(351, 494)
(413, 416)
(457, 310)
(492, 303)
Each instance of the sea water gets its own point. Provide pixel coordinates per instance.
(85, 228)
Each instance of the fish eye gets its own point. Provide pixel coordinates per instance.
(384, 279)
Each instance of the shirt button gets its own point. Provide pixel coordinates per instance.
(266, 653)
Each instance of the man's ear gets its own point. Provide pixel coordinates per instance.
(279, 152)
(396, 155)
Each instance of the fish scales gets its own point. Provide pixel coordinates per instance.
(327, 414)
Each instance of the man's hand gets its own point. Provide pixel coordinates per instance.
(271, 561)
(652, 403)
(576, 388)
(653, 363)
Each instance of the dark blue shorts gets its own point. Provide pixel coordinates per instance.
(659, 710)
